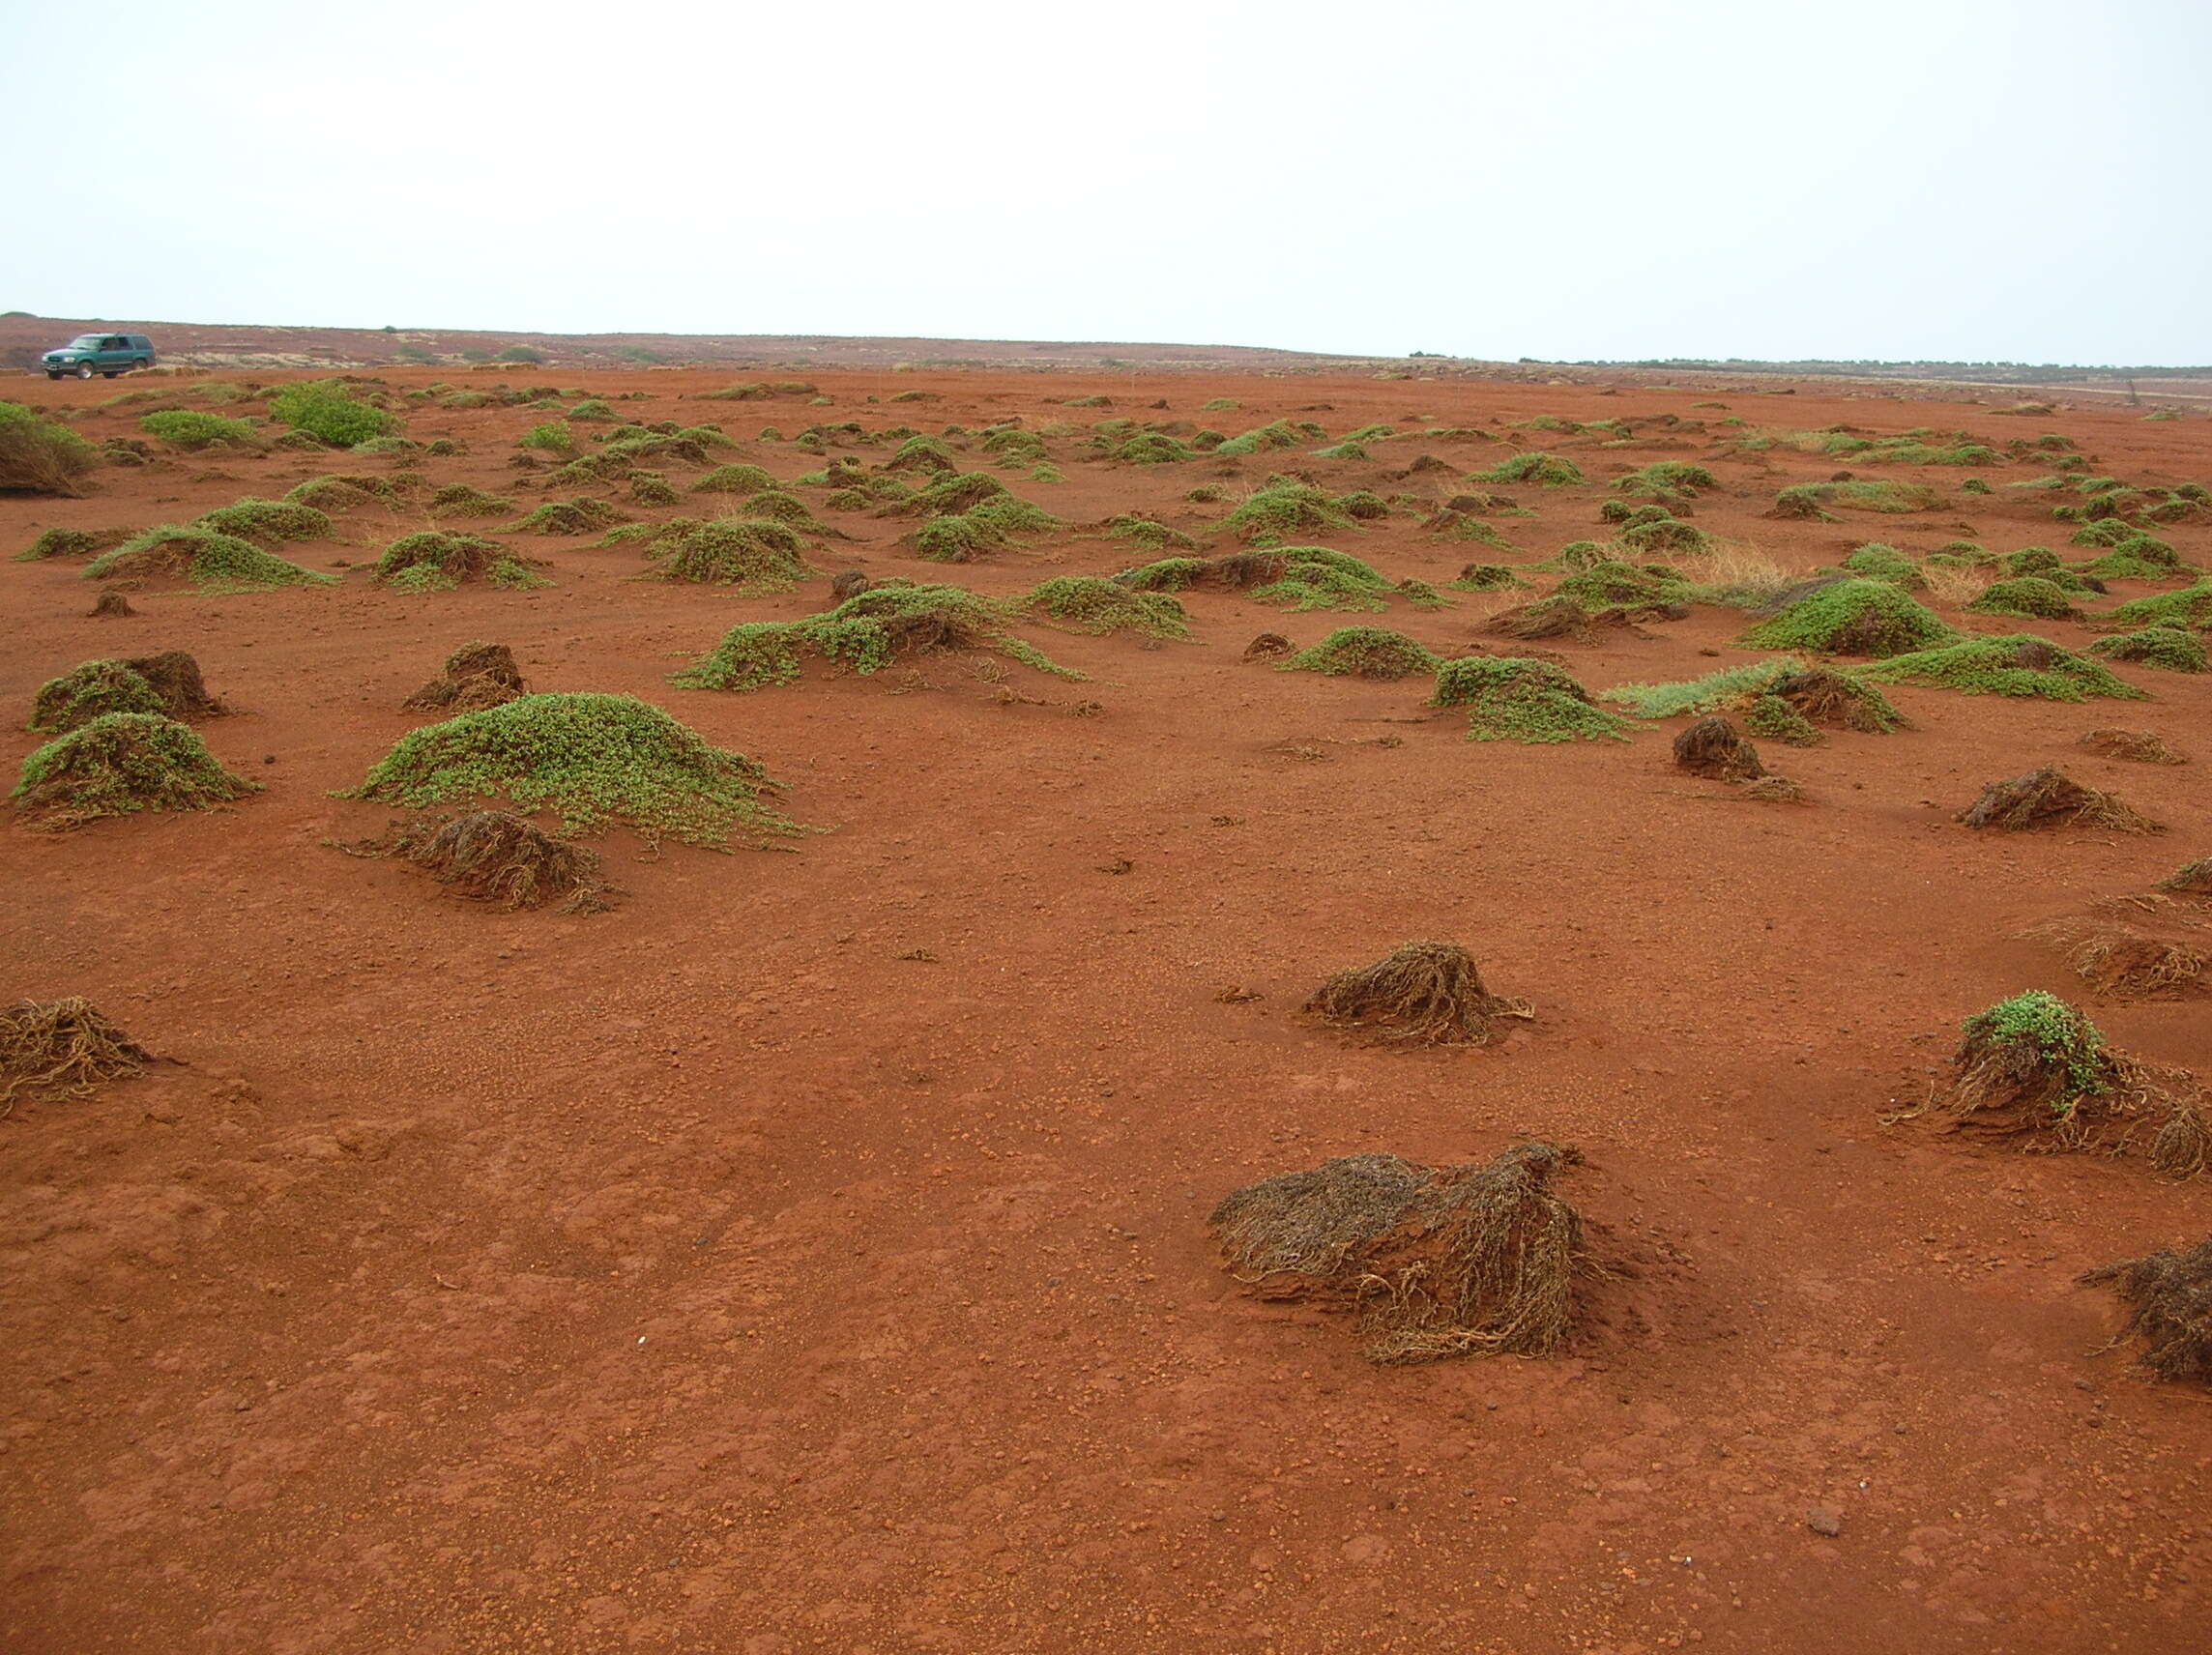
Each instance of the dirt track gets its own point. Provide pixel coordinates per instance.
(707, 1276)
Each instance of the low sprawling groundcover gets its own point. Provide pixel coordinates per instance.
(866, 633)
(121, 763)
(594, 759)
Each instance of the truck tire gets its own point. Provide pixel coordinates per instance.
(84, 370)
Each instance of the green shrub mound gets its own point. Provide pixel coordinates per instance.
(593, 759)
(1546, 471)
(1363, 506)
(1850, 617)
(1666, 480)
(191, 429)
(1315, 577)
(1781, 698)
(434, 560)
(1771, 718)
(2190, 608)
(1577, 555)
(2132, 560)
(1812, 500)
(267, 520)
(1728, 690)
(2169, 648)
(1509, 699)
(91, 691)
(1364, 652)
(1619, 511)
(191, 552)
(554, 437)
(1487, 577)
(1303, 577)
(1453, 524)
(593, 411)
(961, 536)
(1148, 533)
(1282, 507)
(1875, 562)
(1009, 444)
(948, 494)
(1149, 448)
(1269, 438)
(1099, 606)
(1665, 537)
(1611, 585)
(69, 543)
(923, 455)
(342, 492)
(583, 515)
(2022, 666)
(459, 500)
(651, 488)
(867, 632)
(756, 553)
(2112, 533)
(2030, 596)
(38, 456)
(759, 391)
(322, 408)
(118, 763)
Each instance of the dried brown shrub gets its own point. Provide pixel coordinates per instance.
(62, 1048)
(494, 855)
(2121, 961)
(2142, 746)
(1714, 748)
(2171, 1293)
(2048, 798)
(1462, 1261)
(474, 676)
(1422, 993)
(1268, 647)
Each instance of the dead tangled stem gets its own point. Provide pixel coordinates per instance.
(2123, 962)
(2170, 1296)
(1427, 994)
(494, 855)
(1462, 1261)
(62, 1048)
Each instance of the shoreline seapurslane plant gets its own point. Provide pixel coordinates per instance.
(215, 561)
(594, 760)
(1517, 700)
(120, 764)
(888, 623)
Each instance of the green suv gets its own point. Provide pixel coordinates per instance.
(104, 354)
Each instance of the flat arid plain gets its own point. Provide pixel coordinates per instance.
(810, 1250)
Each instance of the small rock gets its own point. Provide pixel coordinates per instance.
(1825, 1520)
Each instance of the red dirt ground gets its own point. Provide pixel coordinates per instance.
(713, 1275)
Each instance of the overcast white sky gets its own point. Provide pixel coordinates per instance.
(1970, 179)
